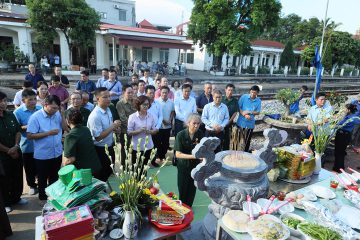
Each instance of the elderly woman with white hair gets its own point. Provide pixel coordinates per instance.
(185, 142)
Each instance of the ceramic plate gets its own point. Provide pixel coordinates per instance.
(255, 208)
(116, 233)
(323, 192)
(347, 213)
(273, 218)
(356, 176)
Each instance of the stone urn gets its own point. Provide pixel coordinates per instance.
(227, 178)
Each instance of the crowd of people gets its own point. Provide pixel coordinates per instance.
(51, 127)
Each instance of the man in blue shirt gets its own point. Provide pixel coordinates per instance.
(104, 77)
(102, 127)
(215, 116)
(22, 114)
(86, 85)
(33, 76)
(114, 87)
(294, 107)
(45, 128)
(343, 136)
(249, 106)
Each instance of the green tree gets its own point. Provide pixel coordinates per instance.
(285, 29)
(327, 57)
(75, 19)
(287, 56)
(227, 26)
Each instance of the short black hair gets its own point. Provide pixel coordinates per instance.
(186, 86)
(174, 81)
(320, 94)
(304, 87)
(255, 88)
(75, 117)
(352, 107)
(165, 87)
(27, 84)
(2, 95)
(86, 73)
(141, 81)
(189, 80)
(27, 93)
(39, 83)
(230, 85)
(112, 70)
(147, 70)
(134, 84)
(105, 69)
(126, 86)
(135, 75)
(55, 78)
(50, 99)
(149, 87)
(99, 90)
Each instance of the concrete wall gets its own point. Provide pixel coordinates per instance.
(111, 8)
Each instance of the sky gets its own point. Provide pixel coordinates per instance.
(172, 12)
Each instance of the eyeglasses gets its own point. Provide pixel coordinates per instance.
(145, 105)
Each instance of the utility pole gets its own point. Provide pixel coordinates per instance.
(324, 28)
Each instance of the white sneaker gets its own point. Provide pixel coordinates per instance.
(8, 209)
(22, 201)
(32, 191)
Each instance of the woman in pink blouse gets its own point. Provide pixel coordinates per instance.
(141, 125)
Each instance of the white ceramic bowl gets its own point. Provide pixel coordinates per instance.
(293, 231)
(288, 208)
(262, 202)
(255, 208)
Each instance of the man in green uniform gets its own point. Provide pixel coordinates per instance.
(11, 184)
(125, 108)
(185, 142)
(233, 107)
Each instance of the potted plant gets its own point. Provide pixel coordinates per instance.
(133, 186)
(287, 96)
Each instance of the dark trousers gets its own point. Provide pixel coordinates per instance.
(11, 185)
(5, 229)
(93, 69)
(187, 189)
(106, 170)
(156, 140)
(47, 174)
(247, 136)
(227, 137)
(146, 155)
(342, 140)
(112, 154)
(219, 135)
(179, 125)
(30, 169)
(164, 139)
(122, 137)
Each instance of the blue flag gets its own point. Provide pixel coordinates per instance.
(318, 66)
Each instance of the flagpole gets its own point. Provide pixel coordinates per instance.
(324, 27)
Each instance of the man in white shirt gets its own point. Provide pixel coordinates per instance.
(156, 111)
(184, 105)
(102, 127)
(141, 88)
(168, 112)
(147, 79)
(215, 116)
(28, 85)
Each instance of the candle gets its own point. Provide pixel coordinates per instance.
(248, 198)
